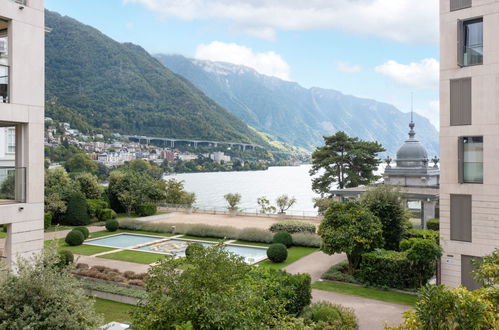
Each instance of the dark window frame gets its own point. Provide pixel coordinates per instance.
(461, 40)
(461, 217)
(461, 111)
(460, 159)
(459, 4)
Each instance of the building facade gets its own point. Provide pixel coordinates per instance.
(469, 135)
(22, 33)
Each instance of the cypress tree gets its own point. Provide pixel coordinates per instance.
(77, 213)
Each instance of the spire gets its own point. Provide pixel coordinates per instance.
(411, 124)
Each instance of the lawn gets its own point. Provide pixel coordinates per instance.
(359, 291)
(251, 243)
(134, 256)
(209, 239)
(54, 228)
(3, 234)
(113, 311)
(86, 250)
(294, 253)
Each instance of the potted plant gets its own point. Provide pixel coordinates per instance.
(188, 199)
(233, 200)
(284, 202)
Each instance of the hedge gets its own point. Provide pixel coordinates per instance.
(385, 268)
(433, 224)
(277, 253)
(47, 220)
(338, 272)
(66, 257)
(95, 207)
(74, 237)
(423, 233)
(283, 238)
(107, 214)
(145, 210)
(112, 225)
(77, 212)
(293, 226)
(84, 231)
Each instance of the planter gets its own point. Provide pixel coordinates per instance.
(188, 210)
(232, 213)
(281, 215)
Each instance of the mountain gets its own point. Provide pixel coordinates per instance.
(122, 87)
(296, 115)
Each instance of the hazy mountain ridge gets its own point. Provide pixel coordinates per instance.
(297, 115)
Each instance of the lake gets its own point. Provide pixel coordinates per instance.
(210, 188)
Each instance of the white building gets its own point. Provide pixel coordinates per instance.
(22, 29)
(219, 157)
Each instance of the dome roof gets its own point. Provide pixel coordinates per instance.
(412, 153)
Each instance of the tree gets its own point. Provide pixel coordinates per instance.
(89, 185)
(352, 229)
(344, 160)
(80, 162)
(8, 186)
(42, 296)
(58, 189)
(233, 200)
(77, 212)
(385, 202)
(284, 202)
(265, 206)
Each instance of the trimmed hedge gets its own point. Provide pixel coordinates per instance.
(192, 247)
(326, 315)
(339, 272)
(112, 225)
(47, 220)
(283, 238)
(74, 238)
(77, 212)
(423, 233)
(146, 210)
(433, 224)
(95, 207)
(306, 240)
(277, 253)
(385, 268)
(255, 235)
(293, 226)
(84, 231)
(108, 214)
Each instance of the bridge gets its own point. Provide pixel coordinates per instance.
(171, 142)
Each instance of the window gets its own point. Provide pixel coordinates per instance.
(460, 218)
(460, 101)
(11, 140)
(459, 4)
(467, 267)
(470, 159)
(470, 42)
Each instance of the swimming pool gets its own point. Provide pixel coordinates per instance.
(172, 246)
(123, 240)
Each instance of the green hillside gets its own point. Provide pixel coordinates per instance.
(121, 87)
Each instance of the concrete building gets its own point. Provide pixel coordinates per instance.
(22, 36)
(469, 135)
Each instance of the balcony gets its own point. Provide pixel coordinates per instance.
(12, 185)
(4, 83)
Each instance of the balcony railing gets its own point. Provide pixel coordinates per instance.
(4, 83)
(12, 185)
(473, 55)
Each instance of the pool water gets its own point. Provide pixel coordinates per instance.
(250, 254)
(123, 240)
(173, 246)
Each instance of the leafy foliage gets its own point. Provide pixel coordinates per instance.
(77, 212)
(265, 206)
(89, 185)
(293, 226)
(283, 238)
(344, 160)
(352, 229)
(284, 202)
(326, 315)
(277, 252)
(233, 200)
(84, 231)
(74, 238)
(433, 224)
(176, 194)
(146, 209)
(112, 225)
(80, 162)
(47, 220)
(487, 269)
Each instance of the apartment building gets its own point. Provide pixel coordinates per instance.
(469, 135)
(22, 32)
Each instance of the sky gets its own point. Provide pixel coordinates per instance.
(380, 49)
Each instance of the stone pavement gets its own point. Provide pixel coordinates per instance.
(122, 266)
(63, 233)
(315, 264)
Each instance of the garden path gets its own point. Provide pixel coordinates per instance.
(63, 233)
(122, 266)
(315, 264)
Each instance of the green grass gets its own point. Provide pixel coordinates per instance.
(54, 228)
(113, 311)
(86, 250)
(134, 256)
(359, 291)
(3, 234)
(209, 239)
(251, 243)
(294, 253)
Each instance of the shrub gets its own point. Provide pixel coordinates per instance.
(77, 212)
(84, 231)
(339, 272)
(66, 258)
(424, 250)
(327, 315)
(107, 214)
(433, 224)
(112, 225)
(277, 253)
(74, 237)
(201, 230)
(95, 207)
(293, 226)
(192, 248)
(47, 220)
(233, 200)
(147, 209)
(283, 238)
(255, 235)
(306, 239)
(423, 233)
(394, 269)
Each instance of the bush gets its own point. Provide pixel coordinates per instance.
(84, 231)
(339, 272)
(283, 238)
(66, 258)
(306, 240)
(424, 250)
(112, 225)
(326, 315)
(423, 233)
(255, 235)
(95, 207)
(293, 226)
(74, 237)
(433, 224)
(77, 212)
(107, 214)
(385, 268)
(145, 210)
(192, 248)
(47, 220)
(277, 253)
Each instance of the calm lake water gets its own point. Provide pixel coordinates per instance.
(210, 188)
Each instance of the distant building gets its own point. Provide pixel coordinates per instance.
(219, 157)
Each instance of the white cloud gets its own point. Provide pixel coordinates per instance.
(422, 74)
(267, 63)
(401, 20)
(347, 67)
(432, 112)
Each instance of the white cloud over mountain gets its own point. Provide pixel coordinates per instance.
(405, 21)
(422, 74)
(268, 63)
